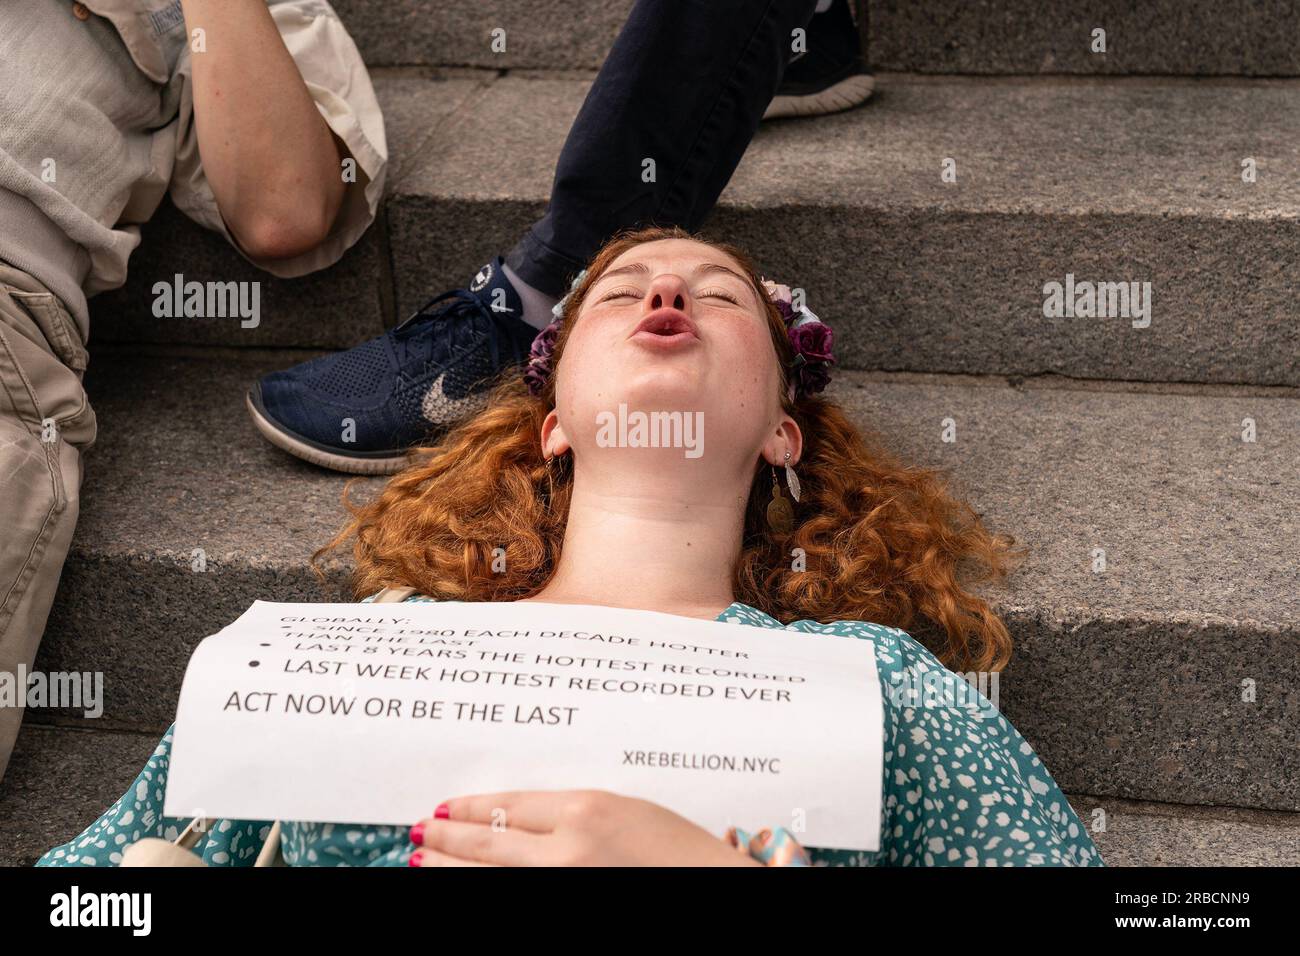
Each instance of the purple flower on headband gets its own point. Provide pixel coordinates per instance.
(539, 358)
(810, 338)
(812, 342)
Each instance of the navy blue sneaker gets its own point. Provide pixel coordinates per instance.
(830, 74)
(359, 411)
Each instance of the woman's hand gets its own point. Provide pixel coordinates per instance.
(565, 828)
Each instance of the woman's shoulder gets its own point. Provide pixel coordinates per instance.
(909, 672)
(895, 648)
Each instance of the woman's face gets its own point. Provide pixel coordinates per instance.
(672, 326)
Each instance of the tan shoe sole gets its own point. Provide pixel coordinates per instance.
(844, 95)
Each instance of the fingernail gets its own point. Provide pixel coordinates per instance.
(415, 858)
(417, 834)
(442, 813)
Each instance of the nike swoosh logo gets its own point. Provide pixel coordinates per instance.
(439, 409)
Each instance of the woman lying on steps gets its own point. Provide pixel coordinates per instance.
(660, 321)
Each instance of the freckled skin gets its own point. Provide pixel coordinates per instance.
(731, 371)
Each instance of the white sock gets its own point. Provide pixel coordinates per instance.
(537, 304)
(823, 6)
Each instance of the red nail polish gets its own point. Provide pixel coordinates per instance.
(443, 812)
(415, 858)
(417, 834)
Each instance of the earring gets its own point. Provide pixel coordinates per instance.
(550, 480)
(780, 513)
(791, 478)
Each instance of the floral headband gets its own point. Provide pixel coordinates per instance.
(810, 337)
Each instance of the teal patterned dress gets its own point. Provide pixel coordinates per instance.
(961, 787)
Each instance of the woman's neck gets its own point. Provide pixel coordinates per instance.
(649, 545)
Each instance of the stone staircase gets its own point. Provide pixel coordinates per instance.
(1073, 434)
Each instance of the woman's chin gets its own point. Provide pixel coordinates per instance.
(662, 385)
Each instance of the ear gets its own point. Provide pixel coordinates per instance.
(785, 437)
(554, 441)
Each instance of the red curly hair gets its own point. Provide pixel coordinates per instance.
(882, 541)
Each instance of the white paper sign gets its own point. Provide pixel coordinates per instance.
(374, 713)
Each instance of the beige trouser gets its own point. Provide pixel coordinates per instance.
(45, 423)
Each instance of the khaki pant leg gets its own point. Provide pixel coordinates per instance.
(45, 424)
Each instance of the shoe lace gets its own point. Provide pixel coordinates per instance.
(461, 309)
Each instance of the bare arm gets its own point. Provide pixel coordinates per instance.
(270, 157)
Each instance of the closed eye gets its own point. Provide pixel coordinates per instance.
(719, 294)
(620, 294)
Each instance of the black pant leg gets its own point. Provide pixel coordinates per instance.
(685, 85)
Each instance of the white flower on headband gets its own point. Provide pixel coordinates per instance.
(557, 310)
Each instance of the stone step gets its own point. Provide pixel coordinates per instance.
(1180, 37)
(1130, 682)
(61, 779)
(1140, 833)
(1057, 181)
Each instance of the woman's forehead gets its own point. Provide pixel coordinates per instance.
(676, 255)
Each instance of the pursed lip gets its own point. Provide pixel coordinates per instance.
(668, 324)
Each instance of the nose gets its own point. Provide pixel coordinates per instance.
(668, 291)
